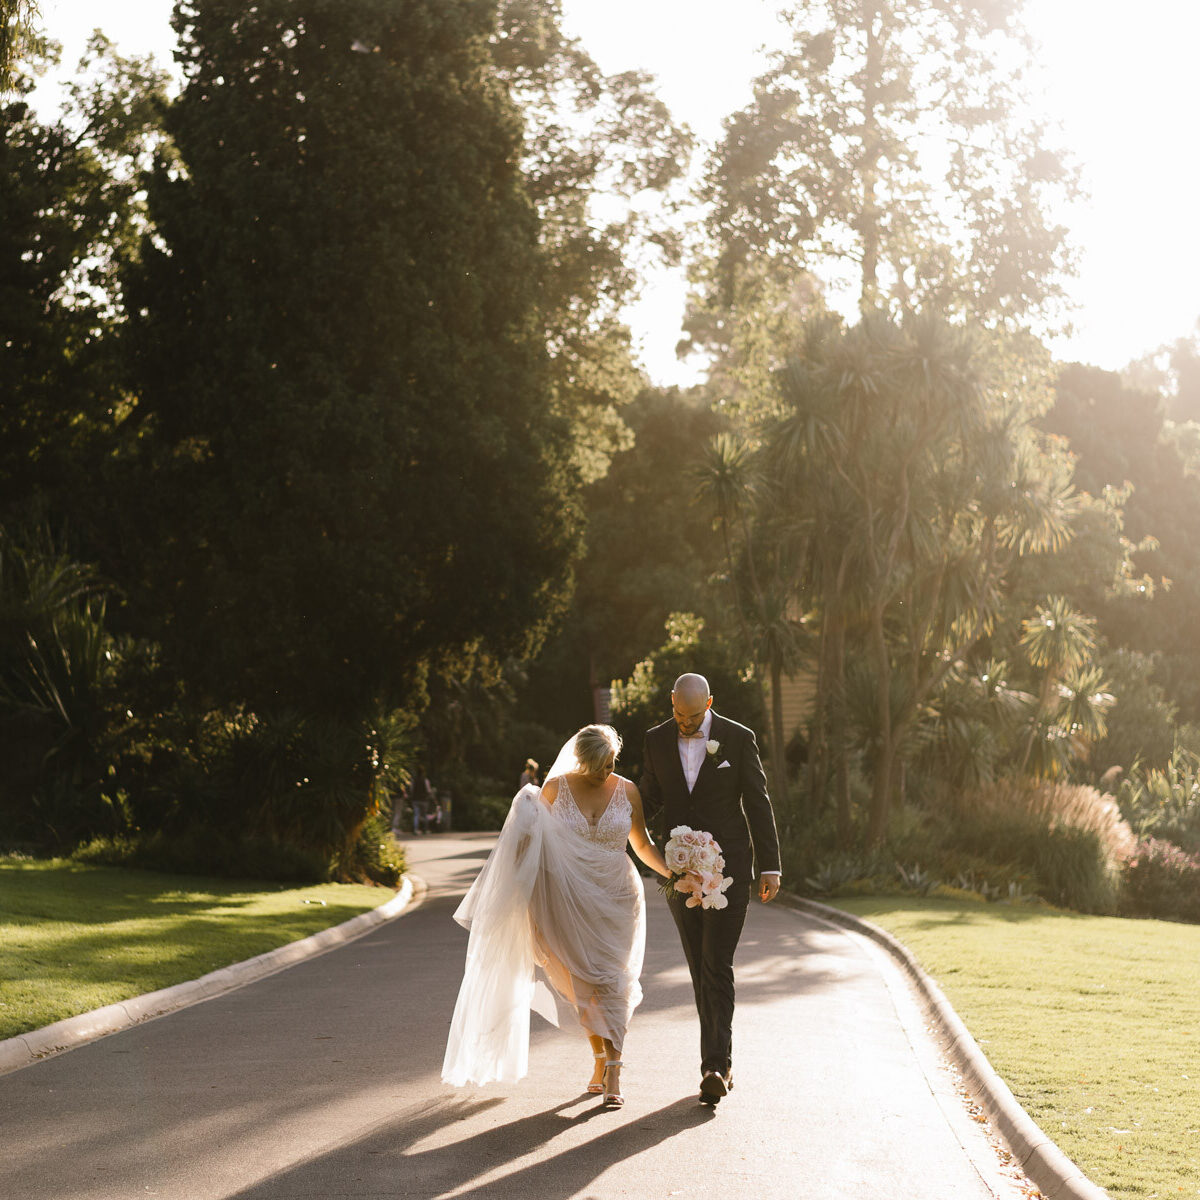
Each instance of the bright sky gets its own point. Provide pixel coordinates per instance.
(1119, 79)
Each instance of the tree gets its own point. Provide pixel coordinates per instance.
(1059, 643)
(650, 551)
(639, 700)
(68, 218)
(342, 402)
(601, 157)
(761, 578)
(1173, 371)
(885, 154)
(1120, 439)
(910, 451)
(17, 19)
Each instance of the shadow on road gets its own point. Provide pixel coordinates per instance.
(390, 1157)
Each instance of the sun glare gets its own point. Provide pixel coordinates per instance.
(1120, 82)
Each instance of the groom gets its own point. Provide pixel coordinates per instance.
(704, 771)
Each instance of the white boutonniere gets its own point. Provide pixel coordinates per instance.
(713, 748)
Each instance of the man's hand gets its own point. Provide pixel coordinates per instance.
(768, 887)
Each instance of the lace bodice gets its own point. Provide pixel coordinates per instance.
(611, 830)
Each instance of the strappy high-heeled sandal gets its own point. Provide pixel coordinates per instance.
(612, 1099)
(596, 1088)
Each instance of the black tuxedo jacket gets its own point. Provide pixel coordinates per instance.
(730, 802)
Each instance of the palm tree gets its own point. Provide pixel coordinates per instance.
(1056, 640)
(923, 480)
(1073, 698)
(756, 560)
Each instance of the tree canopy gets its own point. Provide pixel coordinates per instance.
(889, 154)
(342, 396)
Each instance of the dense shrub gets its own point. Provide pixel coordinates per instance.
(1161, 880)
(204, 852)
(376, 857)
(483, 812)
(1165, 803)
(1012, 840)
(1060, 806)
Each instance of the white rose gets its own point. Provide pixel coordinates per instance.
(677, 858)
(680, 830)
(712, 747)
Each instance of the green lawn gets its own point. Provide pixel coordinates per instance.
(1091, 1021)
(74, 937)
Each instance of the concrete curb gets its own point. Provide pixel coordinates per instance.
(1051, 1170)
(28, 1048)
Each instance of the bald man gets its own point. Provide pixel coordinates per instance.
(704, 771)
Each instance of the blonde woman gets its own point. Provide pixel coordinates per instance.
(558, 901)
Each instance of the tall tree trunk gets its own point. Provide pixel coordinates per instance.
(841, 767)
(877, 826)
(778, 754)
(815, 768)
(869, 217)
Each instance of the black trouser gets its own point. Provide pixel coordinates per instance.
(709, 939)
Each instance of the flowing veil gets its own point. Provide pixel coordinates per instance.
(489, 1032)
(567, 760)
(544, 899)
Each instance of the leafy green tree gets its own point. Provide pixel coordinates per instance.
(1142, 726)
(650, 550)
(1069, 713)
(641, 701)
(1119, 437)
(17, 25)
(884, 154)
(68, 218)
(341, 394)
(910, 453)
(58, 705)
(343, 409)
(761, 577)
(601, 159)
(1173, 371)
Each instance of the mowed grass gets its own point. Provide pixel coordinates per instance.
(1091, 1021)
(75, 937)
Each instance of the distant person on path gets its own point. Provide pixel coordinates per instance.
(704, 771)
(420, 796)
(558, 900)
(530, 774)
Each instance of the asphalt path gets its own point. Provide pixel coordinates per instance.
(323, 1081)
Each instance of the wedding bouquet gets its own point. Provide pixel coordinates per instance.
(695, 861)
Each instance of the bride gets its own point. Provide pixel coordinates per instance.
(557, 903)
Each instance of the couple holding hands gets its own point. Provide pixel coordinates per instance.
(557, 913)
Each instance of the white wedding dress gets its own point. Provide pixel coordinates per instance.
(557, 903)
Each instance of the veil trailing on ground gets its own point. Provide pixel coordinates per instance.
(551, 902)
(489, 1033)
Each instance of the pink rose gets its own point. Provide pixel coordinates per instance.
(677, 858)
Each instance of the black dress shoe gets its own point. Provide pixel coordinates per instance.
(714, 1086)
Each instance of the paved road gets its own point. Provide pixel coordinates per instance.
(323, 1082)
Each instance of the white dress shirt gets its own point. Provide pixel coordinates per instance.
(693, 749)
(691, 755)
